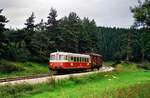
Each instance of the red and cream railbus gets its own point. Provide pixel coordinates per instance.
(67, 61)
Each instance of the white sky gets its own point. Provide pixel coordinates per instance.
(104, 12)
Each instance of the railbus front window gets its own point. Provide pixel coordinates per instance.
(52, 57)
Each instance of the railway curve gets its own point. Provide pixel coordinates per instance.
(34, 79)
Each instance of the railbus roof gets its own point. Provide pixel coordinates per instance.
(71, 54)
(94, 54)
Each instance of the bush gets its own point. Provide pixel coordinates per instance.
(14, 91)
(144, 65)
(7, 67)
(77, 80)
(116, 63)
(28, 64)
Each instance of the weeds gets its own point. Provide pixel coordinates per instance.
(14, 91)
(28, 64)
(93, 86)
(136, 91)
(77, 80)
(6, 67)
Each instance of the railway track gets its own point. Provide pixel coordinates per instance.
(34, 79)
(23, 78)
(31, 77)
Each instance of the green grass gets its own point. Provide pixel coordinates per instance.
(136, 91)
(92, 86)
(29, 68)
(117, 84)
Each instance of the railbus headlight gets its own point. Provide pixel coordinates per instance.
(71, 64)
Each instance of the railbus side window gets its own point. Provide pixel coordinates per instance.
(69, 59)
(83, 60)
(77, 59)
(66, 57)
(72, 58)
(87, 59)
(62, 57)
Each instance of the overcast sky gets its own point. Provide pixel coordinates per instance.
(104, 12)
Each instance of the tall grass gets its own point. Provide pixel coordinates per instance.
(9, 69)
(63, 86)
(136, 91)
(6, 67)
(115, 84)
(15, 91)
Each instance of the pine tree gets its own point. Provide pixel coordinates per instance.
(141, 13)
(30, 23)
(41, 26)
(52, 22)
(3, 21)
(3, 39)
(70, 30)
(29, 32)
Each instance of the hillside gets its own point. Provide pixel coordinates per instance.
(10, 69)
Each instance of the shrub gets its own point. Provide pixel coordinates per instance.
(77, 80)
(7, 67)
(52, 82)
(145, 66)
(116, 63)
(14, 91)
(28, 64)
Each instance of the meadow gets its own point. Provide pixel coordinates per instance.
(127, 81)
(11, 69)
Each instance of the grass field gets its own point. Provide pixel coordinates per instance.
(125, 82)
(94, 87)
(27, 68)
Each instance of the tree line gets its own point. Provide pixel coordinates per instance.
(72, 34)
